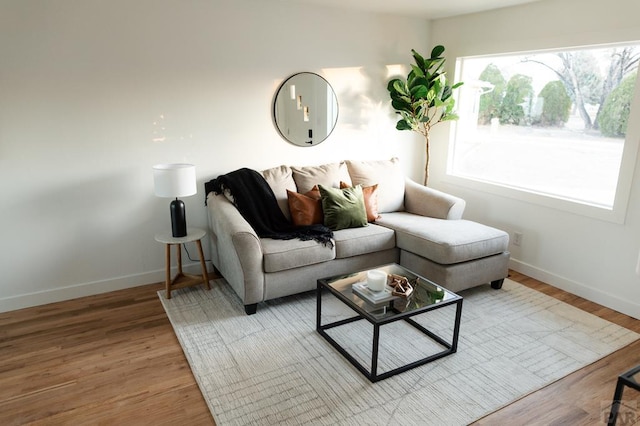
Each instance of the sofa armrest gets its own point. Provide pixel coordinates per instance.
(425, 201)
(236, 248)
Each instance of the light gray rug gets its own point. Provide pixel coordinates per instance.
(273, 368)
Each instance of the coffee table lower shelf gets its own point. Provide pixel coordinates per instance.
(372, 374)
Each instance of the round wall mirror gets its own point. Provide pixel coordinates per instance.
(305, 109)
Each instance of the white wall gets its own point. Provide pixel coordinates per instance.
(83, 87)
(592, 258)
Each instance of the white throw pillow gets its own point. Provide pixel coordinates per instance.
(327, 174)
(280, 179)
(390, 179)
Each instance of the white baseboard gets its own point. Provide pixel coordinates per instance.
(88, 289)
(603, 298)
(103, 286)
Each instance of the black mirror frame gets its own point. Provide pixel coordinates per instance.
(311, 140)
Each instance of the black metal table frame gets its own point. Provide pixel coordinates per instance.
(624, 379)
(373, 375)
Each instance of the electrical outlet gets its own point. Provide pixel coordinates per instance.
(517, 239)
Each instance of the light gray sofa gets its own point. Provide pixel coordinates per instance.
(418, 227)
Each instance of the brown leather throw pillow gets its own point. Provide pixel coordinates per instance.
(370, 195)
(306, 209)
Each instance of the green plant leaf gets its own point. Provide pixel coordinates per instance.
(436, 88)
(401, 105)
(408, 116)
(417, 72)
(391, 83)
(435, 77)
(439, 66)
(418, 58)
(449, 117)
(437, 51)
(410, 77)
(394, 94)
(455, 86)
(403, 125)
(446, 93)
(419, 81)
(419, 91)
(401, 87)
(450, 105)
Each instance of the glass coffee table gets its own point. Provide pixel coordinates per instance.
(427, 296)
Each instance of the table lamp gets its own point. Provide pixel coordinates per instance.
(173, 181)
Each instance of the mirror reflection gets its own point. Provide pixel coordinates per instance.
(305, 109)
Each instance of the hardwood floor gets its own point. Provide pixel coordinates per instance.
(105, 359)
(114, 359)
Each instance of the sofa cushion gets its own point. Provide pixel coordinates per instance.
(343, 208)
(327, 174)
(389, 177)
(370, 194)
(280, 179)
(280, 255)
(306, 209)
(369, 239)
(444, 241)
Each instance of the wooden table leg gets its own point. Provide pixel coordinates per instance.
(167, 252)
(205, 276)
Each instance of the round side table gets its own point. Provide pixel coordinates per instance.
(183, 280)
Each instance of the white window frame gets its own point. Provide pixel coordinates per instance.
(616, 214)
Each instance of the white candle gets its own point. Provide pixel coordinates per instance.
(376, 280)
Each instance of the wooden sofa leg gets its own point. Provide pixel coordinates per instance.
(497, 284)
(251, 309)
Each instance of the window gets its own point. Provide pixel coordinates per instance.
(548, 123)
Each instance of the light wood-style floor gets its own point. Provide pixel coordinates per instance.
(114, 359)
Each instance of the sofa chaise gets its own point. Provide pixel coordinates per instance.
(416, 226)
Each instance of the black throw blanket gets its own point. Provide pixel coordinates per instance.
(256, 202)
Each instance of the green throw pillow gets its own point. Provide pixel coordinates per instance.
(343, 208)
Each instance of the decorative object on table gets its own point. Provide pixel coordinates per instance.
(376, 280)
(400, 285)
(173, 181)
(305, 109)
(424, 98)
(363, 291)
(182, 279)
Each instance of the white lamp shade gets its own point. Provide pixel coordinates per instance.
(174, 180)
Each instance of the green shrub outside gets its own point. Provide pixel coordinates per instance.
(518, 90)
(557, 104)
(489, 106)
(615, 111)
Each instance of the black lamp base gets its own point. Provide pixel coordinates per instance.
(178, 218)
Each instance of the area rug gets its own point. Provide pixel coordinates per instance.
(274, 368)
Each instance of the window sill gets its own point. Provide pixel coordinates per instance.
(616, 215)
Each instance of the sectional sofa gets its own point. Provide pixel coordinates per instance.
(407, 223)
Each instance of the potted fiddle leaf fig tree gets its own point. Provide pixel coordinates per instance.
(424, 99)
